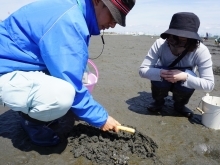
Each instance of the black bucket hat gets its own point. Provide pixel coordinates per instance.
(183, 24)
(119, 9)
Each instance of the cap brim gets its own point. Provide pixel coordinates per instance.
(117, 15)
(181, 33)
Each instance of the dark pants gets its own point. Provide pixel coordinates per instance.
(171, 86)
(181, 94)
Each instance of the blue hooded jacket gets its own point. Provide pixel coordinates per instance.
(53, 35)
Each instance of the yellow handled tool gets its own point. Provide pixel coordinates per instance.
(127, 129)
(201, 111)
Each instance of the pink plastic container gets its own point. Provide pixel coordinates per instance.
(92, 78)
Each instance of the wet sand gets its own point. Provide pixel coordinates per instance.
(125, 95)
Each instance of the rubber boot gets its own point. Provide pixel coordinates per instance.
(38, 131)
(158, 95)
(180, 100)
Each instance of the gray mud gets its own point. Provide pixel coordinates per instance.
(115, 148)
(125, 95)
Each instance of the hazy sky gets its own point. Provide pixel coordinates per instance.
(152, 16)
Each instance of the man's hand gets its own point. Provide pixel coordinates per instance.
(111, 124)
(173, 75)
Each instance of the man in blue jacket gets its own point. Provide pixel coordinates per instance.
(53, 36)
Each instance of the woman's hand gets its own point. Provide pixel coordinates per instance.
(173, 75)
(111, 124)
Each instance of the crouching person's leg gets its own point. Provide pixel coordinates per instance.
(159, 90)
(40, 99)
(181, 96)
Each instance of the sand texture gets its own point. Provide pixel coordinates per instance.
(170, 139)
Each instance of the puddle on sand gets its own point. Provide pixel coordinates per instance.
(207, 151)
(213, 154)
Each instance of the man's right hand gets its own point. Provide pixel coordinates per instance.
(111, 124)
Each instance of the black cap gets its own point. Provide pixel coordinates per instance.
(119, 9)
(183, 24)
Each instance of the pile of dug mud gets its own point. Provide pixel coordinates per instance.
(109, 147)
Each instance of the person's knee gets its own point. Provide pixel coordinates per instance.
(67, 95)
(179, 88)
(161, 84)
(63, 97)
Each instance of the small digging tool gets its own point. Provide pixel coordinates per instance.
(127, 129)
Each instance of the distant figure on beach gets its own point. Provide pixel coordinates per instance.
(43, 55)
(172, 61)
(206, 37)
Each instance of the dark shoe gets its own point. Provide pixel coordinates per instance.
(184, 111)
(40, 134)
(181, 98)
(155, 107)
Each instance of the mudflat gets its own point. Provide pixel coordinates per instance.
(125, 95)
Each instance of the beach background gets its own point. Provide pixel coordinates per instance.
(125, 95)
